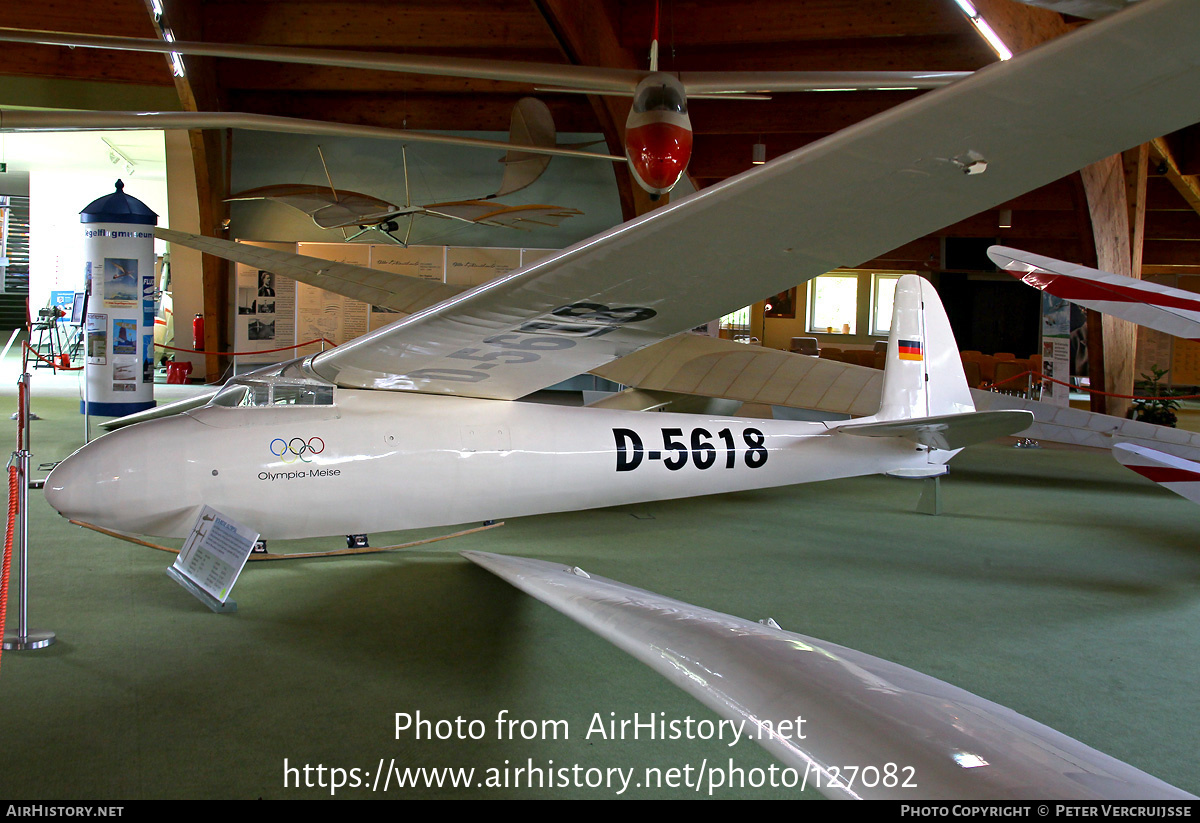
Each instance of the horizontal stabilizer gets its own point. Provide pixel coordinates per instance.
(869, 711)
(1172, 473)
(951, 431)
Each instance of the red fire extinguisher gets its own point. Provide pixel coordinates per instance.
(198, 333)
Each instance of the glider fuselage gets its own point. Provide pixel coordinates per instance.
(382, 461)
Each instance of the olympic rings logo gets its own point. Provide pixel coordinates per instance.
(297, 448)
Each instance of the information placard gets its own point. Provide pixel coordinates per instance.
(215, 553)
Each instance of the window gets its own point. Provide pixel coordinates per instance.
(833, 303)
(737, 322)
(270, 392)
(883, 296)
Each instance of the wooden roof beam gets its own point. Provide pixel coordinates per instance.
(772, 21)
(587, 35)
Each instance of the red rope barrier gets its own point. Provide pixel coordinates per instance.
(245, 353)
(47, 360)
(8, 541)
(1096, 391)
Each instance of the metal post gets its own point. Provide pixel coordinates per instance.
(87, 406)
(24, 638)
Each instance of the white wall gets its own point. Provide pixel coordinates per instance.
(55, 235)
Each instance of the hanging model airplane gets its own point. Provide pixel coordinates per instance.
(658, 132)
(331, 208)
(1171, 311)
(356, 460)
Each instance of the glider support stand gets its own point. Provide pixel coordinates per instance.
(214, 605)
(931, 488)
(931, 496)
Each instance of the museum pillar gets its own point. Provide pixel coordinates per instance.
(118, 233)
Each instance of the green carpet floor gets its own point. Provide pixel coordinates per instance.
(1056, 583)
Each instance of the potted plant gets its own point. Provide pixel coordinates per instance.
(1157, 404)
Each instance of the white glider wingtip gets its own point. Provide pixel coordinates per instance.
(862, 710)
(1171, 472)
(1169, 310)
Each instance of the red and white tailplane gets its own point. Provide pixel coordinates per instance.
(1172, 311)
(1173, 473)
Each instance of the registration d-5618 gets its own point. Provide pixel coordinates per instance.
(700, 447)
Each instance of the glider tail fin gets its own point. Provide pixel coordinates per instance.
(926, 399)
(531, 124)
(923, 375)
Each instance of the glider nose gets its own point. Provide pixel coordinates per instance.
(88, 484)
(658, 153)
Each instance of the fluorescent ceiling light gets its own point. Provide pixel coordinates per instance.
(176, 57)
(985, 31)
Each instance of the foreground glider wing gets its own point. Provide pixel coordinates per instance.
(1171, 311)
(872, 712)
(837, 202)
(375, 286)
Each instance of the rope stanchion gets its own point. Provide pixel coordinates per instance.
(8, 542)
(24, 638)
(246, 353)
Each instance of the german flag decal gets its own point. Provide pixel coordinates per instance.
(911, 350)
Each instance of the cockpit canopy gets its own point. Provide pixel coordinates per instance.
(664, 96)
(275, 387)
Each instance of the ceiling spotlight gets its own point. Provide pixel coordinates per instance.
(759, 154)
(118, 158)
(1006, 218)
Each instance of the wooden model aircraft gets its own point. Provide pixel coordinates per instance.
(333, 208)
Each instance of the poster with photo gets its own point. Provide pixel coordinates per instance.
(148, 301)
(124, 336)
(126, 369)
(147, 358)
(97, 339)
(266, 310)
(1056, 348)
(121, 286)
(266, 286)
